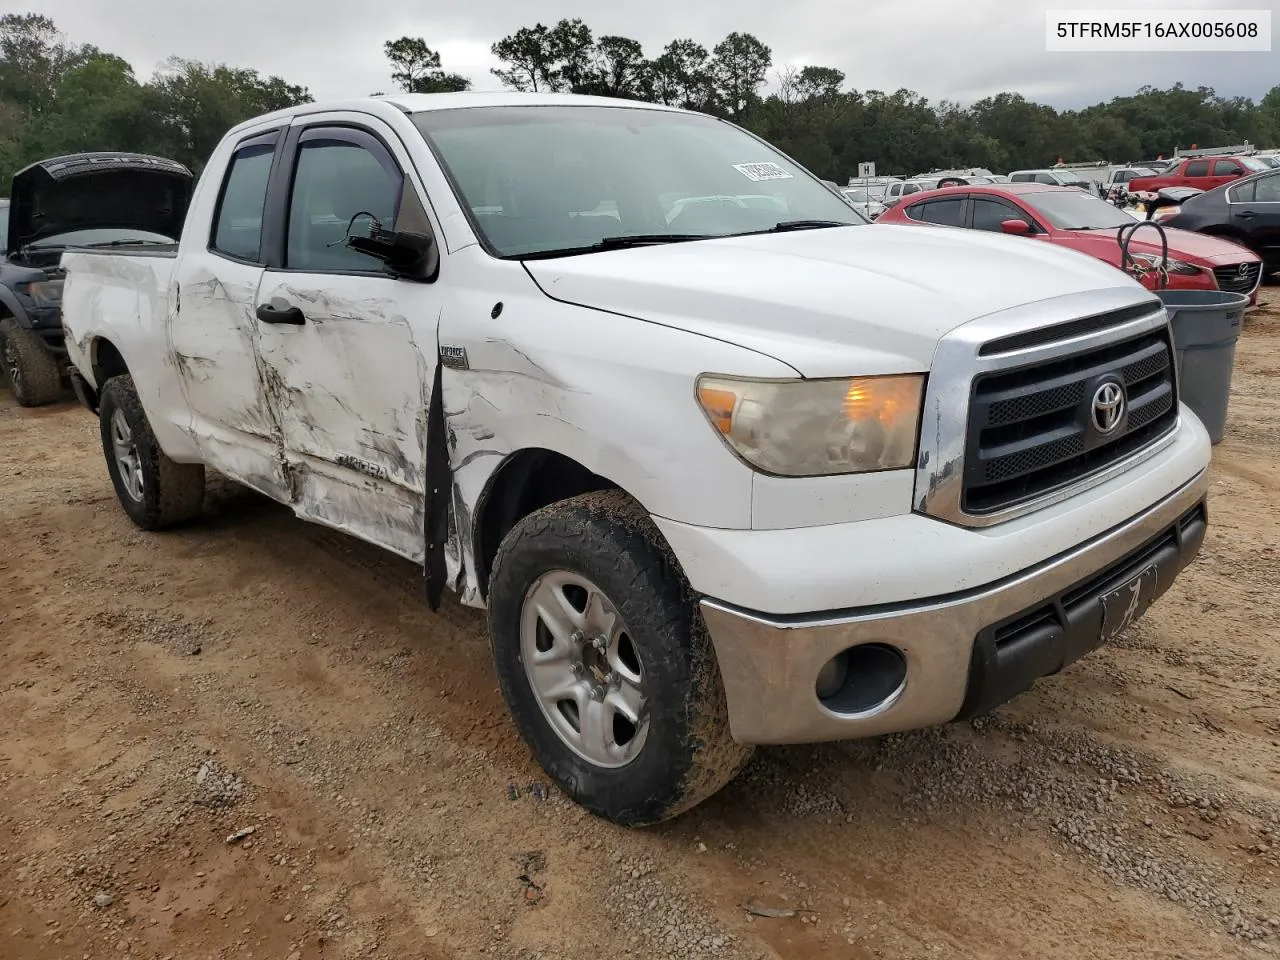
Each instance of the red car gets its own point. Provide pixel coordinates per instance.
(1068, 217)
(1203, 173)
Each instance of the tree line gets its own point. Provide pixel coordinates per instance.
(57, 97)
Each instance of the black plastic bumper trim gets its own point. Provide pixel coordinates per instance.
(1009, 656)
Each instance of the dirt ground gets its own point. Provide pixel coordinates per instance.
(162, 694)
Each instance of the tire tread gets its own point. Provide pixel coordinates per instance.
(641, 558)
(173, 492)
(41, 378)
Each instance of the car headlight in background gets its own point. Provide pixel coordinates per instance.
(45, 293)
(1171, 266)
(804, 428)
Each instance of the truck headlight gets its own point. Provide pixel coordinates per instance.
(805, 428)
(46, 293)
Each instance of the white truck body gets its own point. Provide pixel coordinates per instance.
(591, 363)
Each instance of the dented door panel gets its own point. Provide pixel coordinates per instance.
(352, 384)
(213, 348)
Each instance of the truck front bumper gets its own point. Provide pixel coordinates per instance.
(963, 653)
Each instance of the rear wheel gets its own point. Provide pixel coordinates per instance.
(31, 370)
(605, 662)
(156, 492)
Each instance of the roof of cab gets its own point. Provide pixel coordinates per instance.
(418, 102)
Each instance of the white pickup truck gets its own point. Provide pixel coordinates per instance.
(726, 464)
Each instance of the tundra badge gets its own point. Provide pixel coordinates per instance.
(455, 357)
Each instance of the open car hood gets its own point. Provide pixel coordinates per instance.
(91, 191)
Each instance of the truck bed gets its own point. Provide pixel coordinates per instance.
(120, 295)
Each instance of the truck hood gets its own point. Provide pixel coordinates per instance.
(829, 302)
(88, 191)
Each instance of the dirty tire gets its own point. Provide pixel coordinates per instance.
(688, 754)
(172, 493)
(37, 380)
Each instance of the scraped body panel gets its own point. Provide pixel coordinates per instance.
(351, 386)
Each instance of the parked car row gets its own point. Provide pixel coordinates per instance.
(1067, 218)
(1245, 214)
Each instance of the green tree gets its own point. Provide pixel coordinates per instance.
(416, 68)
(621, 69)
(33, 56)
(99, 105)
(530, 56)
(574, 51)
(197, 103)
(738, 70)
(682, 76)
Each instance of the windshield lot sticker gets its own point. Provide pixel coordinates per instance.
(762, 171)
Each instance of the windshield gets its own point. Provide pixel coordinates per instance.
(858, 196)
(1255, 164)
(543, 179)
(98, 237)
(1073, 210)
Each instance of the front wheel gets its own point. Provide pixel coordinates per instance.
(605, 662)
(156, 492)
(31, 370)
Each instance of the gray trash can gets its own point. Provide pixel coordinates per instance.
(1206, 325)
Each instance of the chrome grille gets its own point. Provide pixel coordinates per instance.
(1031, 428)
(1238, 277)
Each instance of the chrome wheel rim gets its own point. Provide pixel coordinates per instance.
(584, 669)
(128, 463)
(12, 368)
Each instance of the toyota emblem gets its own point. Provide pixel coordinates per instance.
(1108, 407)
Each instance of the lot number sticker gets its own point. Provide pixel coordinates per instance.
(762, 171)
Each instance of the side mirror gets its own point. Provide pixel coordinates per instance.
(1019, 228)
(413, 256)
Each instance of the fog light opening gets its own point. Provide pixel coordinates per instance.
(862, 679)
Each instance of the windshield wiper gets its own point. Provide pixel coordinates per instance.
(786, 226)
(618, 243)
(125, 243)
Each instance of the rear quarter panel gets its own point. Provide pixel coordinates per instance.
(124, 300)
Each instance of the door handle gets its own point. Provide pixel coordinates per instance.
(290, 315)
(1245, 215)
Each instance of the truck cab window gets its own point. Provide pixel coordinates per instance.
(238, 229)
(336, 180)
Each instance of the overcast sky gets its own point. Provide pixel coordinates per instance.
(956, 49)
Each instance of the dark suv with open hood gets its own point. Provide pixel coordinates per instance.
(84, 200)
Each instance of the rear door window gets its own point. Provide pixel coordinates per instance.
(237, 226)
(1267, 190)
(1198, 168)
(948, 212)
